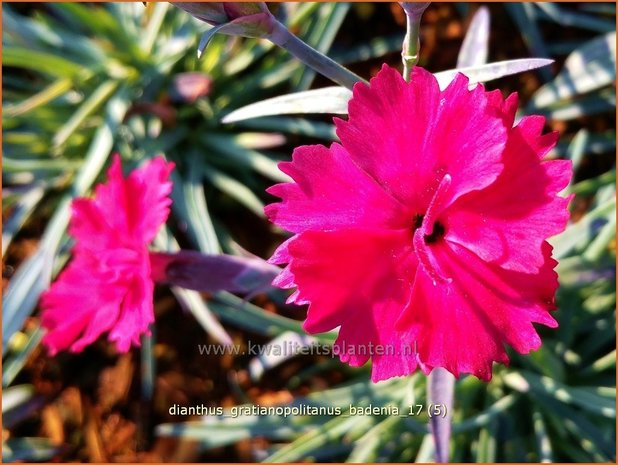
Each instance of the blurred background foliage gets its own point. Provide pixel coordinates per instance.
(82, 81)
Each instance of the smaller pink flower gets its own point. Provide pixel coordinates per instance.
(108, 287)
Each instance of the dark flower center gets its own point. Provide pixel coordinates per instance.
(436, 234)
(418, 221)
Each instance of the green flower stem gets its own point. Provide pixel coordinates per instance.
(411, 45)
(319, 62)
(440, 394)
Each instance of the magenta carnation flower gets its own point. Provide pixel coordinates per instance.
(108, 285)
(422, 236)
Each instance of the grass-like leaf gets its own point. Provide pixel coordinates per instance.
(588, 68)
(475, 46)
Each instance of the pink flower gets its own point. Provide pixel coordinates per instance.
(108, 285)
(422, 236)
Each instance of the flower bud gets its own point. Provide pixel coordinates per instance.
(212, 273)
(247, 19)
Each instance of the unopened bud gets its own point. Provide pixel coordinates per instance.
(247, 19)
(212, 273)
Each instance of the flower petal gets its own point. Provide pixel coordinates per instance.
(97, 293)
(148, 189)
(463, 325)
(506, 107)
(507, 222)
(358, 280)
(468, 138)
(331, 192)
(530, 129)
(458, 241)
(136, 313)
(125, 212)
(90, 227)
(81, 300)
(409, 135)
(388, 130)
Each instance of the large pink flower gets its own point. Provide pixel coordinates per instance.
(422, 236)
(108, 285)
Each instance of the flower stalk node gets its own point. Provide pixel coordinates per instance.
(411, 43)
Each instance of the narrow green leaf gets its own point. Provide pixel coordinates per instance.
(207, 37)
(193, 302)
(581, 233)
(590, 104)
(23, 292)
(374, 48)
(591, 186)
(335, 99)
(590, 67)
(599, 8)
(315, 439)
(97, 19)
(577, 149)
(486, 448)
(366, 448)
(226, 147)
(475, 46)
(50, 38)
(600, 245)
(269, 359)
(324, 31)
(234, 189)
(596, 440)
(94, 101)
(568, 18)
(245, 315)
(155, 21)
(594, 403)
(543, 440)
(546, 361)
(427, 451)
(484, 418)
(50, 166)
(491, 71)
(295, 126)
(242, 59)
(524, 16)
(28, 450)
(148, 365)
(606, 362)
(15, 396)
(51, 92)
(213, 431)
(325, 100)
(41, 62)
(260, 140)
(15, 361)
(20, 213)
(240, 90)
(303, 13)
(189, 205)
